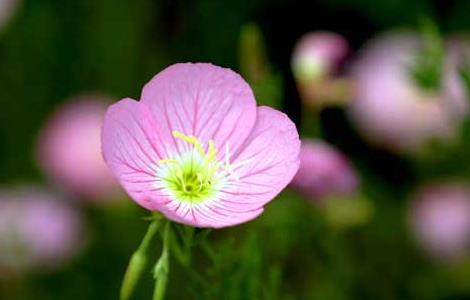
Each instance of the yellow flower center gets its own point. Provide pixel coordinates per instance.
(196, 175)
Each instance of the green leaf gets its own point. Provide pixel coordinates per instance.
(428, 65)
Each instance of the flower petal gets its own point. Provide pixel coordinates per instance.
(213, 216)
(268, 161)
(203, 100)
(129, 151)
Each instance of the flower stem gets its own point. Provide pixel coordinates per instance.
(162, 267)
(181, 248)
(137, 263)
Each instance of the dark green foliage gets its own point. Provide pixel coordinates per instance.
(54, 49)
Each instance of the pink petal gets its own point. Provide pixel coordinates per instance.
(272, 155)
(222, 217)
(214, 216)
(272, 152)
(130, 152)
(203, 100)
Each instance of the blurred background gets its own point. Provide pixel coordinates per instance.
(379, 91)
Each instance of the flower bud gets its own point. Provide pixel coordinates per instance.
(318, 55)
(316, 60)
(324, 172)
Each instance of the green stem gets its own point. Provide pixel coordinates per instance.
(211, 254)
(137, 263)
(162, 267)
(182, 247)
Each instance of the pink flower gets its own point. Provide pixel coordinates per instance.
(316, 59)
(440, 220)
(36, 231)
(390, 109)
(324, 172)
(69, 148)
(318, 54)
(197, 149)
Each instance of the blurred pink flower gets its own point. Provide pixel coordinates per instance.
(440, 219)
(7, 9)
(316, 59)
(36, 231)
(197, 149)
(69, 148)
(390, 109)
(318, 54)
(324, 172)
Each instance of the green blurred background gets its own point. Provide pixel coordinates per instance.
(52, 50)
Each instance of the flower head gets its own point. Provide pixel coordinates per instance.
(440, 219)
(36, 230)
(318, 54)
(324, 172)
(69, 148)
(197, 149)
(316, 60)
(390, 108)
